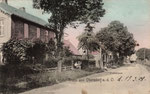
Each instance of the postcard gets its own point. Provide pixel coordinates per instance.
(74, 47)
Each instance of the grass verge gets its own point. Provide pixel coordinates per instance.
(15, 85)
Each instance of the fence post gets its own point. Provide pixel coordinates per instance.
(59, 64)
(72, 65)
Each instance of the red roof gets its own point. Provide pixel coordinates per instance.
(95, 53)
(67, 43)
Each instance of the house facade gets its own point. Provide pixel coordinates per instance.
(101, 58)
(16, 23)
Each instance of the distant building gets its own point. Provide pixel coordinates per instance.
(72, 48)
(17, 23)
(102, 57)
(133, 58)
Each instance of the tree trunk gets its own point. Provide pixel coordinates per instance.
(59, 65)
(121, 60)
(88, 58)
(115, 58)
(59, 48)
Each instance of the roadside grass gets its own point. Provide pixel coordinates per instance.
(15, 85)
(14, 80)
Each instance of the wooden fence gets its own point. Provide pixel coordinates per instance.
(64, 68)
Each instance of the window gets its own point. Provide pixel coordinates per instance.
(1, 27)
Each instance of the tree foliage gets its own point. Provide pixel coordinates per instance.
(87, 40)
(66, 52)
(143, 53)
(37, 51)
(64, 12)
(51, 47)
(25, 51)
(14, 51)
(117, 39)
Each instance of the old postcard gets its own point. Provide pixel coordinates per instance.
(74, 47)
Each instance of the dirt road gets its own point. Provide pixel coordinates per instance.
(132, 79)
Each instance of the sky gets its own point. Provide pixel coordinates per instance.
(135, 14)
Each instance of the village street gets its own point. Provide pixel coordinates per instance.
(130, 79)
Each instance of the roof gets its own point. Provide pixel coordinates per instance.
(71, 47)
(17, 12)
(95, 53)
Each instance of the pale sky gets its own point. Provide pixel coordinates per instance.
(135, 14)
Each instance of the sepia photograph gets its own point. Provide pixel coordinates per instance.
(74, 47)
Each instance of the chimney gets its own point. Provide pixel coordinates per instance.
(4, 1)
(23, 9)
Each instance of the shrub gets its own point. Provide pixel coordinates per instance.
(37, 51)
(14, 51)
(51, 47)
(68, 61)
(66, 52)
(51, 62)
(24, 51)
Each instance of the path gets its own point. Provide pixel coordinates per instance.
(133, 79)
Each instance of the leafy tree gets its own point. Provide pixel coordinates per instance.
(88, 41)
(117, 39)
(143, 53)
(65, 12)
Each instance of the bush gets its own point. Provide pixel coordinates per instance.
(24, 51)
(51, 47)
(68, 61)
(37, 51)
(143, 53)
(14, 51)
(51, 62)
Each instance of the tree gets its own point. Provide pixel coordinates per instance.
(65, 12)
(116, 38)
(143, 53)
(87, 41)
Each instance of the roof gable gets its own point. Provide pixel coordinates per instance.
(17, 12)
(71, 47)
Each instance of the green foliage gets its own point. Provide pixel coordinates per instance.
(143, 53)
(116, 38)
(51, 47)
(25, 51)
(66, 52)
(51, 62)
(87, 40)
(14, 51)
(37, 51)
(65, 12)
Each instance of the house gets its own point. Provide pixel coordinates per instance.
(133, 58)
(17, 23)
(72, 48)
(102, 58)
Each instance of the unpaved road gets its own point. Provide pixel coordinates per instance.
(132, 79)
